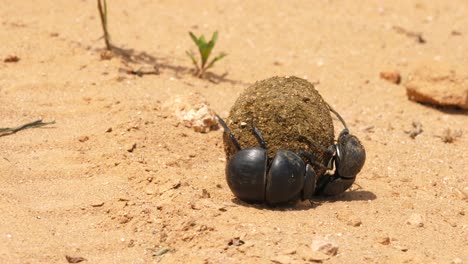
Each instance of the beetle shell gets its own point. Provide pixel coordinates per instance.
(285, 178)
(246, 174)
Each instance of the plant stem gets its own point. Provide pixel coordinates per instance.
(103, 15)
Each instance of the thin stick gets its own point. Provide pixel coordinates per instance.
(38, 123)
(103, 15)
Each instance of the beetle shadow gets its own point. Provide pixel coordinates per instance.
(357, 195)
(298, 206)
(316, 201)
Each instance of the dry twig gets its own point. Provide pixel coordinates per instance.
(38, 123)
(416, 35)
(416, 130)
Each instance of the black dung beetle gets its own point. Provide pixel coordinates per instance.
(253, 177)
(347, 159)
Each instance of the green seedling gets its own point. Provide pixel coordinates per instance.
(205, 49)
(102, 7)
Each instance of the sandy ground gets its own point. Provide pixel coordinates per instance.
(74, 189)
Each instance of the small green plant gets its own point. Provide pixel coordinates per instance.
(205, 49)
(102, 7)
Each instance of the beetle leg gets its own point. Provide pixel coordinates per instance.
(330, 156)
(310, 181)
(228, 132)
(333, 184)
(347, 157)
(329, 184)
(312, 159)
(258, 135)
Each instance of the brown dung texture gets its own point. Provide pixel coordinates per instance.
(289, 113)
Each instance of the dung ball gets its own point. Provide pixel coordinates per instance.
(290, 114)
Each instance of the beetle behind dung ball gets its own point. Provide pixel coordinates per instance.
(287, 151)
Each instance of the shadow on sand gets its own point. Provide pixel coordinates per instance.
(349, 196)
(162, 64)
(451, 110)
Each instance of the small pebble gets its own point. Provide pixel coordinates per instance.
(384, 240)
(391, 76)
(83, 138)
(355, 222)
(106, 55)
(402, 248)
(97, 204)
(289, 251)
(71, 259)
(132, 148)
(461, 193)
(162, 251)
(150, 190)
(11, 58)
(193, 111)
(324, 246)
(349, 218)
(236, 242)
(124, 199)
(131, 243)
(415, 220)
(205, 194)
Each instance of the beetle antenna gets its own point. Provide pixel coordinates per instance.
(228, 132)
(338, 116)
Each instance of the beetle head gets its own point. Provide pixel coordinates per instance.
(350, 155)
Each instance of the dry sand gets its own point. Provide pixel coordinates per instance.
(74, 188)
